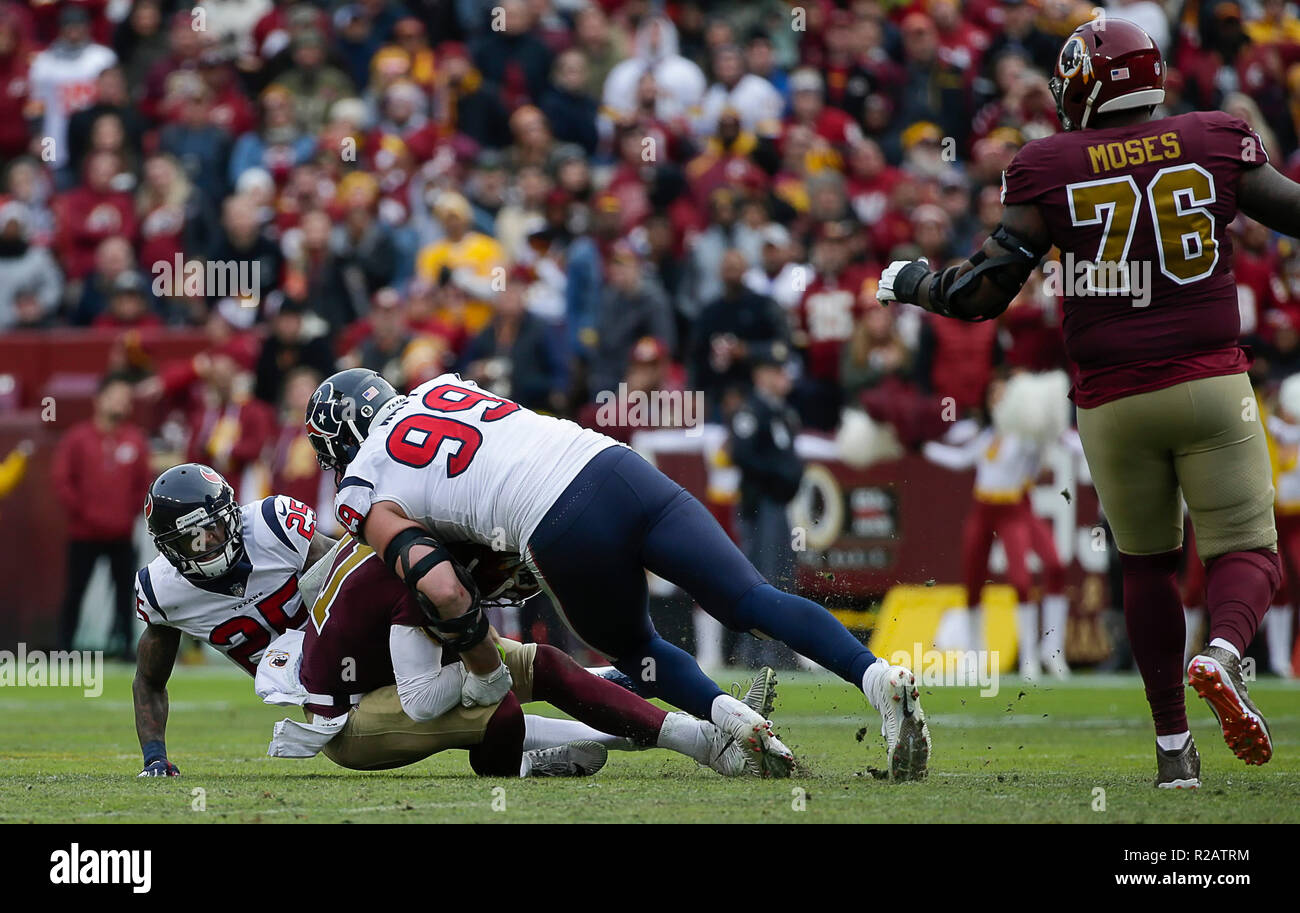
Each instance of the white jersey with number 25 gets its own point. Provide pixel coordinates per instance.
(466, 464)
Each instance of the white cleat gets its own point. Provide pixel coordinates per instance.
(724, 752)
(765, 756)
(761, 696)
(907, 737)
(576, 759)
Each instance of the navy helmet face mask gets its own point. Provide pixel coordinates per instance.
(340, 413)
(195, 521)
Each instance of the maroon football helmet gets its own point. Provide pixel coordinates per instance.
(1106, 65)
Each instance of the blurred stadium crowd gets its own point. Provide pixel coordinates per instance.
(556, 196)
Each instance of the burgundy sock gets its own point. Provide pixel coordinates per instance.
(1153, 615)
(1239, 588)
(593, 700)
(501, 751)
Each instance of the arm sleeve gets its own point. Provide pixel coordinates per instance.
(426, 688)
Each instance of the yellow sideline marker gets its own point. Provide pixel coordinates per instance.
(911, 617)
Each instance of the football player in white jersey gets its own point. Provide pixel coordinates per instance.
(229, 575)
(225, 574)
(454, 461)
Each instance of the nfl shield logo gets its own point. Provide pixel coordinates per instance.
(236, 589)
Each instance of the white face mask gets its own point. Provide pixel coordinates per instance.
(215, 565)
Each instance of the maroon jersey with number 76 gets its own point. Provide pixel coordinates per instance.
(1140, 214)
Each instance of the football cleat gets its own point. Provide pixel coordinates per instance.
(1216, 675)
(902, 723)
(1178, 769)
(761, 696)
(576, 759)
(764, 754)
(724, 751)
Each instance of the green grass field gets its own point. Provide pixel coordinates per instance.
(1035, 757)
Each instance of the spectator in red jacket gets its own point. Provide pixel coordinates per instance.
(91, 212)
(101, 474)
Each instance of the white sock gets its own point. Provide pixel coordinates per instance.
(685, 734)
(546, 732)
(1192, 619)
(1278, 624)
(871, 679)
(1027, 634)
(1220, 642)
(708, 639)
(1173, 742)
(1056, 620)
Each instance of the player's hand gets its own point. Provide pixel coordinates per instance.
(486, 690)
(885, 290)
(160, 768)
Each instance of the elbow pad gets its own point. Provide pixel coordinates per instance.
(460, 633)
(950, 294)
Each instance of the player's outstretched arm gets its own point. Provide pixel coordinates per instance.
(982, 286)
(155, 659)
(1271, 198)
(440, 584)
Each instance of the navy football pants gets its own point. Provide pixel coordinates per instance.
(620, 517)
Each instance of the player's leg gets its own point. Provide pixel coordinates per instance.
(121, 563)
(500, 752)
(617, 718)
(1224, 470)
(1056, 607)
(1013, 532)
(1193, 595)
(586, 554)
(976, 540)
(378, 735)
(684, 544)
(1288, 542)
(81, 561)
(1134, 476)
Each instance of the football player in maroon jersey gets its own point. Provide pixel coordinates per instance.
(1139, 208)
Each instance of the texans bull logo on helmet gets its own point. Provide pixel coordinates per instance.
(340, 412)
